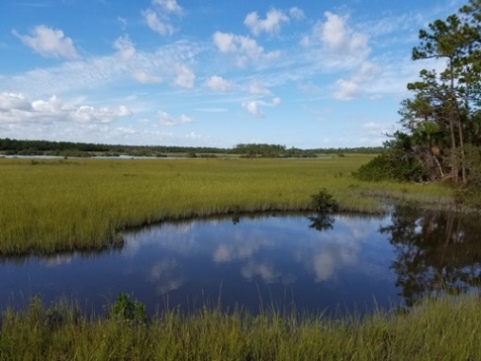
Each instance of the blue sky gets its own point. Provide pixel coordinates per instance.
(307, 74)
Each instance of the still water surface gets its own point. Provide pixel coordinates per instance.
(327, 264)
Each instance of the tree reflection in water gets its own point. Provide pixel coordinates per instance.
(321, 221)
(436, 253)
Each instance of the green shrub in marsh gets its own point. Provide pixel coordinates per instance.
(324, 202)
(126, 310)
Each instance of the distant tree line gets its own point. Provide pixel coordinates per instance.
(73, 149)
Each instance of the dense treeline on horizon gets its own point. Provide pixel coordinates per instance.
(43, 147)
(440, 138)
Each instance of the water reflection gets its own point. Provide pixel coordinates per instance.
(435, 253)
(315, 261)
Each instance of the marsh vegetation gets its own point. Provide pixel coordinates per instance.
(58, 205)
(435, 330)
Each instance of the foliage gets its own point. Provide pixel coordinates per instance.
(324, 202)
(396, 163)
(442, 119)
(470, 194)
(126, 310)
(43, 147)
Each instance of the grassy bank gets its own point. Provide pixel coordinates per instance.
(54, 205)
(437, 330)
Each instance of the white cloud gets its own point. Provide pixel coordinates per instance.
(92, 74)
(253, 106)
(159, 19)
(217, 83)
(271, 24)
(144, 78)
(15, 101)
(166, 119)
(159, 26)
(123, 111)
(185, 77)
(169, 6)
(126, 51)
(49, 43)
(122, 21)
(244, 48)
(348, 89)
(296, 13)
(17, 109)
(125, 48)
(257, 88)
(338, 38)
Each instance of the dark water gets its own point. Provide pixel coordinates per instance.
(327, 264)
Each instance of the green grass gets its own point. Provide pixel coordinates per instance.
(436, 330)
(62, 205)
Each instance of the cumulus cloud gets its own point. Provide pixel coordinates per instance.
(185, 77)
(338, 38)
(271, 24)
(244, 48)
(48, 42)
(348, 89)
(158, 19)
(166, 119)
(253, 108)
(156, 24)
(15, 108)
(345, 48)
(13, 101)
(125, 48)
(217, 83)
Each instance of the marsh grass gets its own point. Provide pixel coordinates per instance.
(63, 205)
(435, 330)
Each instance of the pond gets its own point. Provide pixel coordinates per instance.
(331, 264)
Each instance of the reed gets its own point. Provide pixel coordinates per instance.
(435, 330)
(63, 205)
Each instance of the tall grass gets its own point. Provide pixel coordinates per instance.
(54, 205)
(436, 330)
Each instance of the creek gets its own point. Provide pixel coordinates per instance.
(316, 263)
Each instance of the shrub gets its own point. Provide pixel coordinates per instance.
(324, 202)
(387, 166)
(124, 309)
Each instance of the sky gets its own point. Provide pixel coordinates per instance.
(306, 73)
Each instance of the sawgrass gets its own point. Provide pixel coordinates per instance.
(436, 330)
(48, 206)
